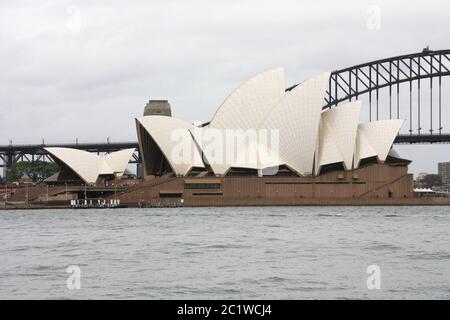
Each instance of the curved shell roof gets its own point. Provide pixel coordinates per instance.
(246, 106)
(247, 151)
(118, 161)
(338, 128)
(376, 138)
(174, 140)
(88, 166)
(84, 163)
(215, 155)
(297, 117)
(307, 137)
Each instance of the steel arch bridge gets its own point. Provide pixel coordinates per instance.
(421, 73)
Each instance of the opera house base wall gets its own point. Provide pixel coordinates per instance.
(372, 184)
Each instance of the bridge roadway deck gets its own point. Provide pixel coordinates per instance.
(113, 146)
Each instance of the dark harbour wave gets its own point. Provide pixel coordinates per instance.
(214, 253)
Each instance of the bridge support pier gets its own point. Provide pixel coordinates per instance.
(8, 161)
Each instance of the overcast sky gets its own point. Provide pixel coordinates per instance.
(86, 68)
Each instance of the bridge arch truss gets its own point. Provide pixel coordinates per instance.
(368, 78)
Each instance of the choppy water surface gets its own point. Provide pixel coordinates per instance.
(206, 253)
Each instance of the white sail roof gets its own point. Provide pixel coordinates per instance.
(210, 143)
(174, 140)
(376, 138)
(338, 130)
(247, 106)
(297, 117)
(85, 164)
(308, 138)
(394, 154)
(104, 167)
(327, 150)
(223, 149)
(88, 166)
(118, 161)
(363, 149)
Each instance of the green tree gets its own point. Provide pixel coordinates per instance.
(432, 180)
(2, 180)
(36, 170)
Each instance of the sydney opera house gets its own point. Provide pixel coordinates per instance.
(304, 156)
(265, 145)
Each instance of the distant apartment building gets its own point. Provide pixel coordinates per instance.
(444, 172)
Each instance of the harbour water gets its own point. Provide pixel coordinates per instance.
(226, 253)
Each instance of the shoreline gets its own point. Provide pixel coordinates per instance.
(276, 202)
